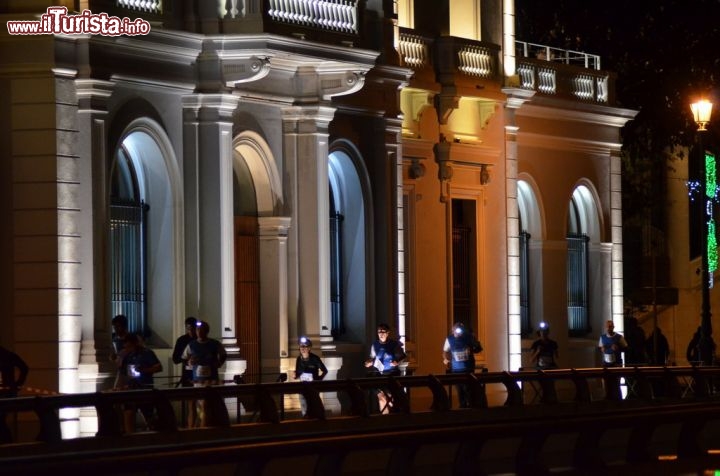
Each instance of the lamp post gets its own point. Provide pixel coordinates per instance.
(702, 111)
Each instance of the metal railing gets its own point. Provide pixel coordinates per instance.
(636, 400)
(524, 49)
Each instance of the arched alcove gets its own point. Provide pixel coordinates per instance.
(531, 237)
(583, 215)
(254, 167)
(350, 250)
(257, 195)
(584, 266)
(146, 239)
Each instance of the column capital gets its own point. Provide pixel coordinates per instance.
(307, 119)
(93, 94)
(273, 226)
(516, 97)
(210, 107)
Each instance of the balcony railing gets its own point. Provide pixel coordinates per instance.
(332, 21)
(559, 79)
(473, 58)
(554, 71)
(149, 6)
(557, 55)
(414, 49)
(333, 15)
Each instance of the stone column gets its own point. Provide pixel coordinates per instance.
(305, 144)
(209, 218)
(616, 260)
(515, 99)
(393, 150)
(95, 368)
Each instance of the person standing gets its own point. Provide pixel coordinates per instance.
(693, 349)
(180, 344)
(186, 379)
(385, 357)
(544, 349)
(611, 345)
(308, 367)
(657, 348)
(120, 331)
(637, 343)
(11, 380)
(13, 373)
(459, 352)
(139, 366)
(206, 356)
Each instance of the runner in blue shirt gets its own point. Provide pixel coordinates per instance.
(385, 357)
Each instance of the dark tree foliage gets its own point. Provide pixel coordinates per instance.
(666, 54)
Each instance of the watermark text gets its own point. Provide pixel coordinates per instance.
(57, 22)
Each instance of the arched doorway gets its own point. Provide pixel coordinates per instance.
(256, 194)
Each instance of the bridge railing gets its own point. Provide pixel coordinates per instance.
(673, 404)
(267, 403)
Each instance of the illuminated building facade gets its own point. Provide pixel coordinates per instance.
(303, 168)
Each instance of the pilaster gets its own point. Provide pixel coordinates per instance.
(92, 98)
(209, 216)
(95, 368)
(616, 261)
(273, 241)
(305, 134)
(515, 99)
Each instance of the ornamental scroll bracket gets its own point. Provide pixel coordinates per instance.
(445, 103)
(445, 168)
(341, 84)
(238, 71)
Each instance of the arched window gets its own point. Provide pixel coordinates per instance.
(529, 226)
(348, 245)
(128, 244)
(525, 315)
(336, 269)
(577, 265)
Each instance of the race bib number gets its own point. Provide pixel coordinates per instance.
(306, 377)
(460, 355)
(609, 358)
(204, 371)
(379, 365)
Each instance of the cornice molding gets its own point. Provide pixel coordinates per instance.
(516, 97)
(545, 141)
(575, 111)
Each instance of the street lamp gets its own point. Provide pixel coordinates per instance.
(701, 113)
(702, 110)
